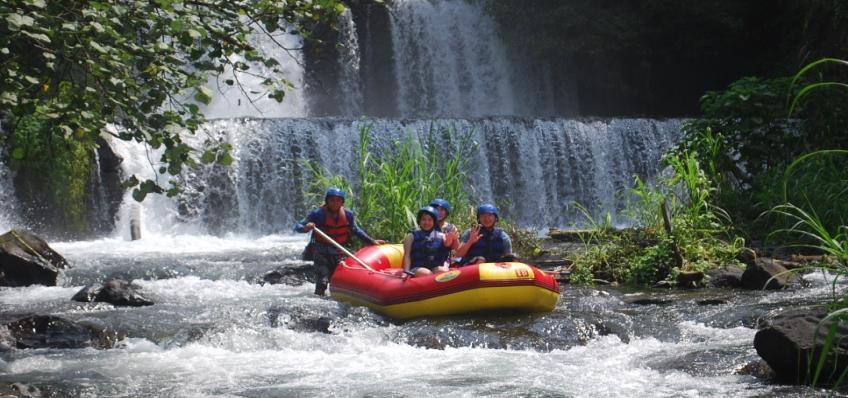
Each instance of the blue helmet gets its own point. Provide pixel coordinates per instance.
(334, 192)
(427, 210)
(487, 208)
(441, 203)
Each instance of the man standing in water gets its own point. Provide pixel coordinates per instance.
(484, 242)
(338, 223)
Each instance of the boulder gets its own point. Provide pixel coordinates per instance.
(115, 291)
(26, 259)
(765, 273)
(41, 331)
(690, 279)
(292, 275)
(727, 276)
(792, 344)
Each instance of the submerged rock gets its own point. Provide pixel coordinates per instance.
(42, 331)
(292, 276)
(26, 259)
(792, 344)
(116, 291)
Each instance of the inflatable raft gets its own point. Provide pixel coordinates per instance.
(473, 288)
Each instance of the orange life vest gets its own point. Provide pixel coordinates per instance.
(336, 228)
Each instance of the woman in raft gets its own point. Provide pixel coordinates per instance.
(424, 249)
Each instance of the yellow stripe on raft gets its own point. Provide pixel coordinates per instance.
(525, 298)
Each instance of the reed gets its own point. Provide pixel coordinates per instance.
(393, 182)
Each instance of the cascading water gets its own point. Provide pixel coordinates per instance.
(449, 61)
(7, 199)
(247, 97)
(349, 64)
(536, 170)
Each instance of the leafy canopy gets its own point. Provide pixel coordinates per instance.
(141, 65)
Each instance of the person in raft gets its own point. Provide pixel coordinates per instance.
(338, 223)
(423, 249)
(444, 208)
(485, 242)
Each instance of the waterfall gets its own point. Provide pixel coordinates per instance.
(8, 203)
(349, 64)
(534, 169)
(250, 98)
(449, 61)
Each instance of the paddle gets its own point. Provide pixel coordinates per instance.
(342, 248)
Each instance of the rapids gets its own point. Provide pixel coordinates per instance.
(214, 331)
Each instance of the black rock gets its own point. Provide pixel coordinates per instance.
(727, 276)
(291, 276)
(26, 259)
(40, 331)
(765, 273)
(116, 292)
(792, 344)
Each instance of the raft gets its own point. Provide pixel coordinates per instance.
(510, 286)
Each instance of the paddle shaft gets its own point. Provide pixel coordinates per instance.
(342, 248)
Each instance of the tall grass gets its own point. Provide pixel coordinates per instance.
(826, 234)
(393, 182)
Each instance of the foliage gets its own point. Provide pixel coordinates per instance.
(698, 238)
(57, 176)
(746, 138)
(141, 65)
(393, 183)
(829, 234)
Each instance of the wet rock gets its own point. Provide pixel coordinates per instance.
(643, 300)
(116, 292)
(292, 276)
(759, 369)
(299, 321)
(727, 276)
(765, 273)
(20, 390)
(26, 259)
(41, 331)
(794, 339)
(690, 279)
(712, 302)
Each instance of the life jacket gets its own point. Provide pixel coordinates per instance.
(428, 249)
(490, 246)
(338, 229)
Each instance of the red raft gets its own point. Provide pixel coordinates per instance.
(473, 288)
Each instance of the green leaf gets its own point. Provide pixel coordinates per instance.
(97, 47)
(203, 95)
(18, 153)
(208, 157)
(38, 36)
(225, 160)
(17, 20)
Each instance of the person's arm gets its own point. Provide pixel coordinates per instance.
(451, 239)
(469, 238)
(507, 243)
(307, 224)
(407, 253)
(361, 233)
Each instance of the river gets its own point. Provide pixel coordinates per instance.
(214, 331)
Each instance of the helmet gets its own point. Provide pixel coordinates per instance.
(487, 208)
(334, 192)
(427, 210)
(441, 203)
